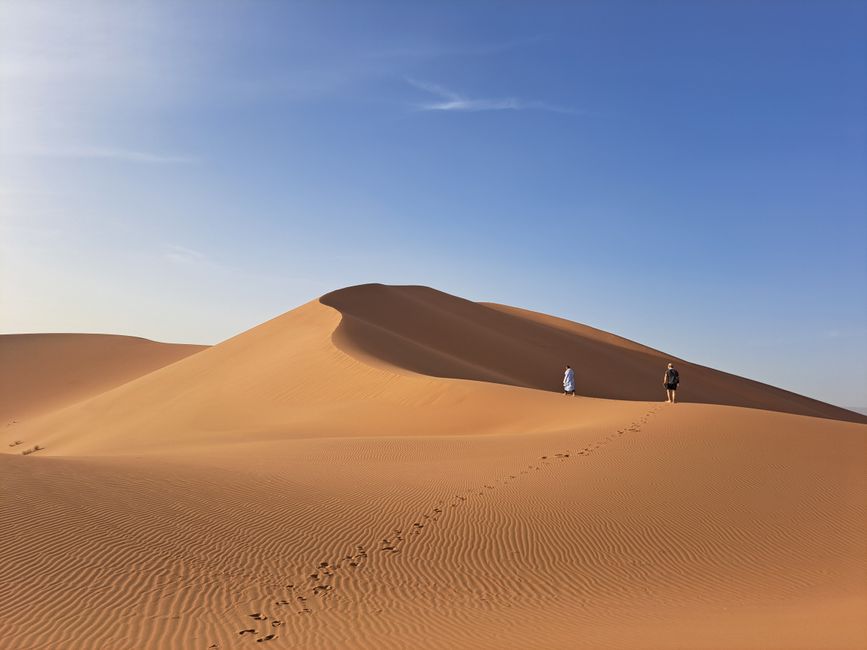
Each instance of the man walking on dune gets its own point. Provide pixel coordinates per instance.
(569, 381)
(670, 380)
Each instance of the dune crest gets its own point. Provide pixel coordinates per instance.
(433, 333)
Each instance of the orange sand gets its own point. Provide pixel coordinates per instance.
(42, 372)
(163, 512)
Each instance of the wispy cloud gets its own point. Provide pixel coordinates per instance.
(182, 255)
(452, 101)
(104, 153)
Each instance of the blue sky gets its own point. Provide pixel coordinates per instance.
(690, 175)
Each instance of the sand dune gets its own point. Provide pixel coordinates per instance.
(325, 370)
(350, 477)
(430, 332)
(42, 372)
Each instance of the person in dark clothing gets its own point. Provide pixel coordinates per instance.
(670, 380)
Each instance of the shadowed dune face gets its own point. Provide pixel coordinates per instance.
(42, 372)
(426, 331)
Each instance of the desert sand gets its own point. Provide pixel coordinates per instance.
(42, 372)
(393, 467)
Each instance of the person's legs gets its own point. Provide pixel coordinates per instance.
(674, 396)
(668, 394)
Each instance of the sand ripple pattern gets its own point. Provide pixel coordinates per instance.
(595, 537)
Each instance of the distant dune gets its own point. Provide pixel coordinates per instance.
(42, 372)
(393, 467)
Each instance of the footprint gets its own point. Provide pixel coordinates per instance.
(258, 616)
(266, 638)
(247, 631)
(276, 623)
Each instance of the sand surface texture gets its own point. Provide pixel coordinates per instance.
(389, 468)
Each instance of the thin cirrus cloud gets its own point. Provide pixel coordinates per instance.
(102, 153)
(182, 255)
(449, 100)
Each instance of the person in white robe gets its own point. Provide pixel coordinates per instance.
(569, 381)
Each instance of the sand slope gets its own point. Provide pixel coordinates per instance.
(328, 370)
(42, 372)
(287, 379)
(408, 510)
(430, 332)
